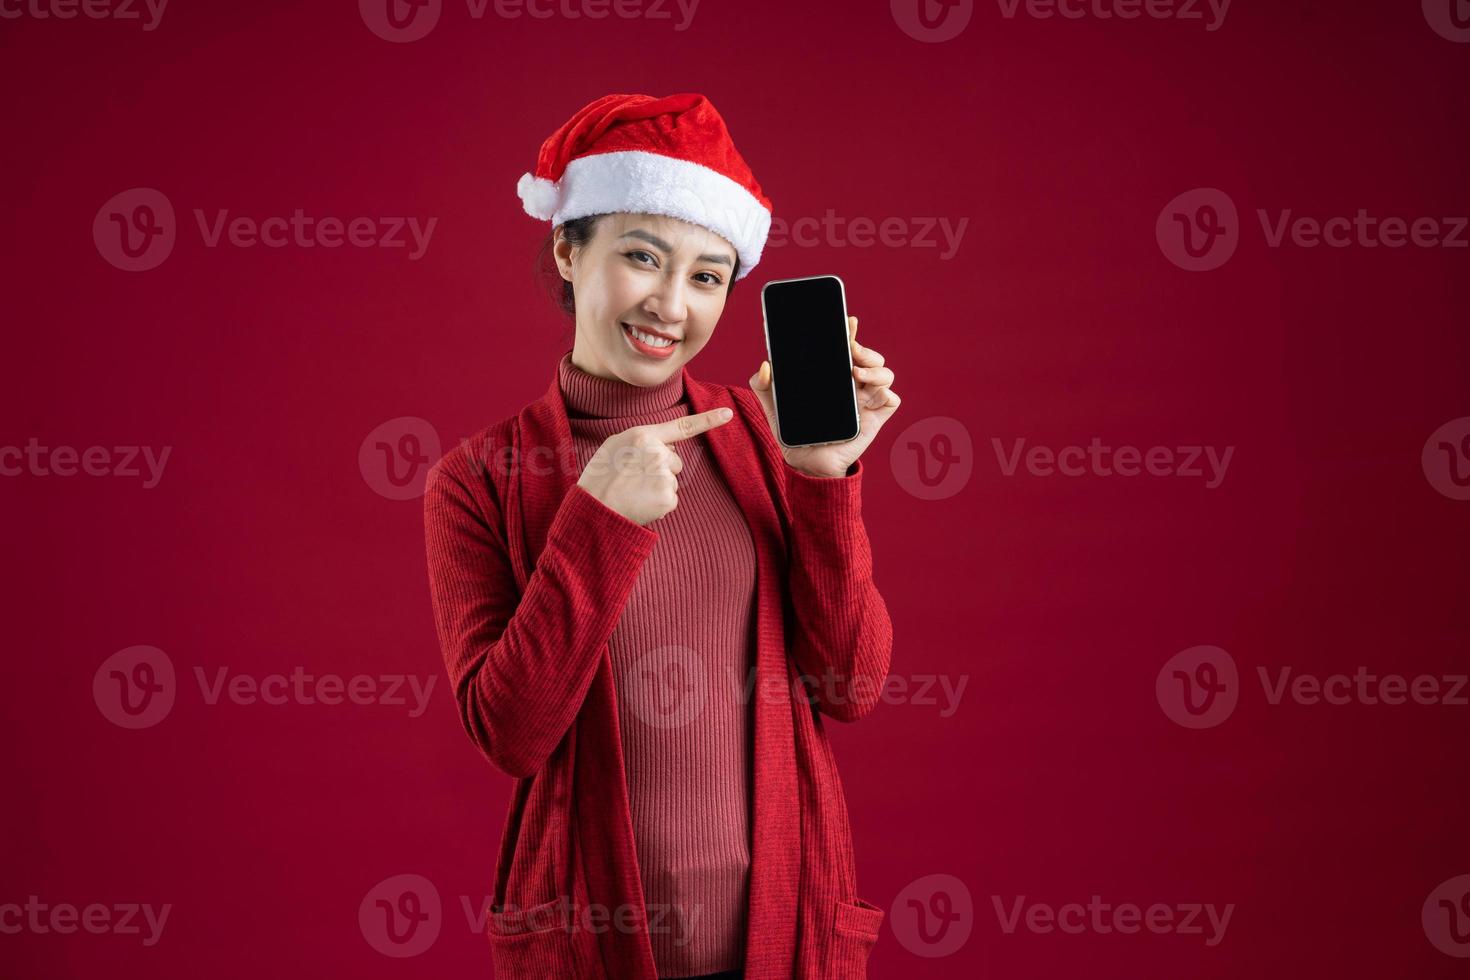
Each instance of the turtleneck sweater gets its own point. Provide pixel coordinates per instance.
(681, 657)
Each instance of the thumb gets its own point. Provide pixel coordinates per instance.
(760, 383)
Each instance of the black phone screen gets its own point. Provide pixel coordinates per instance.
(811, 361)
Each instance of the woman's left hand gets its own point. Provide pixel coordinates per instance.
(877, 401)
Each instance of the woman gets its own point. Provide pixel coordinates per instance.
(646, 604)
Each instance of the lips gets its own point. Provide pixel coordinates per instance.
(648, 350)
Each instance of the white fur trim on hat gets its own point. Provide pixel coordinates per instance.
(639, 182)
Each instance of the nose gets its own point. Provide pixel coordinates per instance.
(668, 302)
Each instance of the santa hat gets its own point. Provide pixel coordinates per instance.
(644, 155)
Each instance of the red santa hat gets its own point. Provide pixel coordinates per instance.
(644, 155)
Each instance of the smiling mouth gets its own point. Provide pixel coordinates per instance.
(647, 339)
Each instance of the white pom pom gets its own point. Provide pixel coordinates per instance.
(538, 196)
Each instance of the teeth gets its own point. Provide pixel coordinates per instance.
(649, 338)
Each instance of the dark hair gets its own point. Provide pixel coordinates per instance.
(579, 232)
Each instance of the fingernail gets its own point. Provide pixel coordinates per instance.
(723, 413)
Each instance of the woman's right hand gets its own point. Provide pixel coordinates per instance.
(636, 472)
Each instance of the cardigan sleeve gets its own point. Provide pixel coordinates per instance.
(521, 666)
(842, 636)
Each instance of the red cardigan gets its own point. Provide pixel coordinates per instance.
(529, 573)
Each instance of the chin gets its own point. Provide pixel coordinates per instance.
(635, 372)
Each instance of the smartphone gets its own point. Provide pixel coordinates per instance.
(810, 352)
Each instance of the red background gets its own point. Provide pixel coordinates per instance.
(263, 548)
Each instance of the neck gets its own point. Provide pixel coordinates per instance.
(583, 363)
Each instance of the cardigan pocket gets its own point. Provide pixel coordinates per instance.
(532, 943)
(854, 932)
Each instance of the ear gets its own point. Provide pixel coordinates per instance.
(562, 249)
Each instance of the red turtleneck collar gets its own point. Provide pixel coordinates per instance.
(588, 396)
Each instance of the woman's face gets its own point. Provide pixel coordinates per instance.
(662, 276)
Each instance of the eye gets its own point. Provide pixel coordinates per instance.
(713, 280)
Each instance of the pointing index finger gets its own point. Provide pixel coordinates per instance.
(689, 426)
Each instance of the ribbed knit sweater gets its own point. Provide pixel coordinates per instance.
(680, 654)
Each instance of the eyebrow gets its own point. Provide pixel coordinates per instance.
(668, 249)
